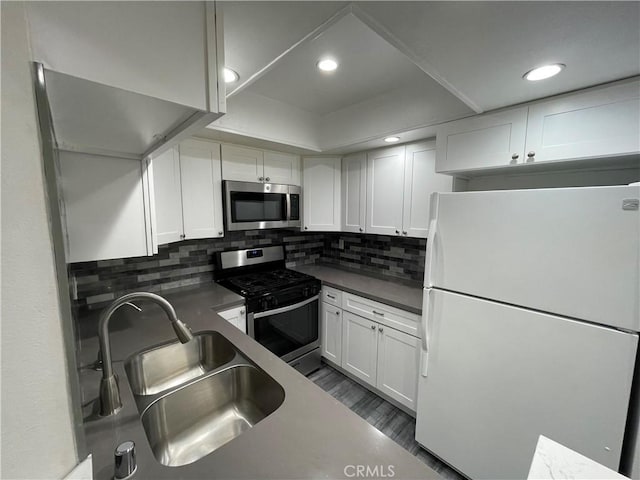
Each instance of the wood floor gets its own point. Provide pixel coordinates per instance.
(391, 421)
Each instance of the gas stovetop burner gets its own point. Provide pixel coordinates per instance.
(263, 282)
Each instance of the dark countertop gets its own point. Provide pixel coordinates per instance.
(399, 294)
(311, 435)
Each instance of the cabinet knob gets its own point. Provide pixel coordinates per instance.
(183, 236)
(397, 232)
(220, 232)
(404, 232)
(361, 229)
(261, 178)
(380, 329)
(306, 228)
(531, 154)
(515, 156)
(373, 327)
(267, 179)
(241, 312)
(337, 312)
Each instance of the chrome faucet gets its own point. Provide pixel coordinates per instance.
(110, 402)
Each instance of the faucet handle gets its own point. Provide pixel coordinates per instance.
(125, 460)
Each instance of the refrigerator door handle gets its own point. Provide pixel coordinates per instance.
(426, 315)
(433, 227)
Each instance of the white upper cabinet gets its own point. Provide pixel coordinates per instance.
(167, 197)
(385, 184)
(201, 176)
(354, 192)
(420, 181)
(104, 208)
(281, 168)
(128, 45)
(247, 164)
(187, 192)
(485, 141)
(321, 194)
(242, 164)
(599, 123)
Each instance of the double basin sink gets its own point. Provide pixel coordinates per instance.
(195, 397)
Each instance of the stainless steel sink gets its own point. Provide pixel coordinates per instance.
(193, 421)
(167, 366)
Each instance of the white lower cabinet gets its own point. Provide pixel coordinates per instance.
(360, 347)
(398, 358)
(331, 333)
(383, 357)
(236, 317)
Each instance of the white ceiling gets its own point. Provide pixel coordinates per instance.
(368, 67)
(406, 66)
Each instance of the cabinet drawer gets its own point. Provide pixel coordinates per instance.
(332, 296)
(383, 314)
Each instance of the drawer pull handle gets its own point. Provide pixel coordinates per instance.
(331, 297)
(373, 327)
(377, 313)
(380, 329)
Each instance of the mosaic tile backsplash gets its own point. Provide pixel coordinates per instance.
(190, 262)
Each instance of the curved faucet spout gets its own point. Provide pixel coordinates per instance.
(110, 401)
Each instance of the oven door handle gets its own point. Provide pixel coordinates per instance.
(288, 308)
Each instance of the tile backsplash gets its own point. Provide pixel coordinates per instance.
(190, 262)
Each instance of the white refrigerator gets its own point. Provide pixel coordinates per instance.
(530, 326)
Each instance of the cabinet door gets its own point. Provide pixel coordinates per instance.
(486, 141)
(420, 181)
(321, 194)
(242, 164)
(359, 347)
(281, 168)
(201, 189)
(354, 192)
(167, 197)
(398, 358)
(104, 207)
(331, 338)
(236, 317)
(600, 123)
(385, 182)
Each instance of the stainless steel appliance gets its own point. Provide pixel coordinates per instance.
(282, 305)
(249, 206)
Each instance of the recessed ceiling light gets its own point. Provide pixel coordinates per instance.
(230, 76)
(392, 139)
(327, 65)
(543, 72)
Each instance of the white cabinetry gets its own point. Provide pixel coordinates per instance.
(321, 194)
(247, 164)
(598, 123)
(375, 343)
(236, 317)
(104, 210)
(398, 358)
(331, 336)
(420, 181)
(282, 168)
(354, 192)
(360, 347)
(400, 181)
(187, 192)
(486, 141)
(385, 183)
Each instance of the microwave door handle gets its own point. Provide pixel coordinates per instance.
(286, 309)
(288, 206)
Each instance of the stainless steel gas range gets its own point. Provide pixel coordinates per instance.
(282, 305)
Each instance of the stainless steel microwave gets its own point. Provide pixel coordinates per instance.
(249, 206)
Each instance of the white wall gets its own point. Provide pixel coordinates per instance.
(267, 119)
(37, 424)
